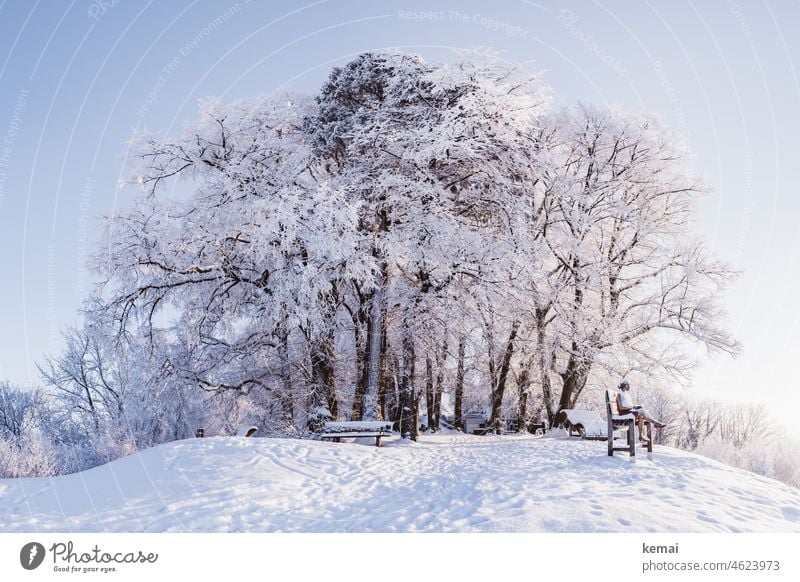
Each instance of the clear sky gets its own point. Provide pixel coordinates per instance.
(76, 78)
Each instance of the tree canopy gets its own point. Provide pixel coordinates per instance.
(413, 228)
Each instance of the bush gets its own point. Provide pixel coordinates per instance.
(29, 457)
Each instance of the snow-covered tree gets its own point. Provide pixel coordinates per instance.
(86, 377)
(432, 153)
(322, 255)
(629, 269)
(252, 259)
(20, 410)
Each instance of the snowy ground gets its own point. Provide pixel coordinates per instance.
(444, 483)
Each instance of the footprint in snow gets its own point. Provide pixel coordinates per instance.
(791, 513)
(707, 518)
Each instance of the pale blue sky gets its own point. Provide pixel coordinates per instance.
(77, 77)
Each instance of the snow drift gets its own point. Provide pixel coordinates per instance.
(444, 483)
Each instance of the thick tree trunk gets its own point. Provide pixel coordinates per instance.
(322, 351)
(523, 381)
(407, 392)
(458, 413)
(384, 378)
(360, 322)
(367, 400)
(543, 364)
(375, 348)
(383, 375)
(574, 380)
(323, 373)
(496, 418)
(577, 370)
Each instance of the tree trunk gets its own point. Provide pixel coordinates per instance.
(367, 399)
(407, 392)
(323, 375)
(383, 375)
(544, 364)
(523, 381)
(392, 391)
(574, 381)
(360, 318)
(415, 432)
(429, 390)
(441, 357)
(578, 366)
(459, 388)
(496, 418)
(287, 394)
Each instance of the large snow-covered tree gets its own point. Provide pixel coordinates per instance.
(435, 155)
(252, 259)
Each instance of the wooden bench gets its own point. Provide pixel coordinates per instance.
(617, 421)
(335, 431)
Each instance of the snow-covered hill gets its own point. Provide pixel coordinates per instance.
(447, 483)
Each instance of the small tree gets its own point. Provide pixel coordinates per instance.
(86, 377)
(21, 410)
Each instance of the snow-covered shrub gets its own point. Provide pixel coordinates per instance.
(786, 462)
(32, 456)
(777, 459)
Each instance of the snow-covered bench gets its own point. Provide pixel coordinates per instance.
(537, 428)
(247, 430)
(616, 421)
(587, 424)
(336, 431)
